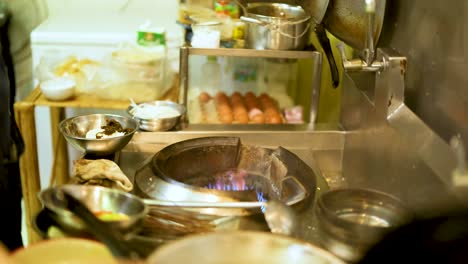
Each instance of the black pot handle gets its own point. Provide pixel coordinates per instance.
(325, 43)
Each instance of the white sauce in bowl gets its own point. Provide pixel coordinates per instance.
(148, 111)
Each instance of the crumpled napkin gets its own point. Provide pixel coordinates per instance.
(100, 172)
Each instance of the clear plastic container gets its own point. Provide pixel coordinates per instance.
(212, 70)
(137, 73)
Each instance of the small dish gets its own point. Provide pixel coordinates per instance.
(58, 89)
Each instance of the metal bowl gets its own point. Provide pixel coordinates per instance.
(97, 199)
(74, 130)
(158, 124)
(350, 221)
(240, 247)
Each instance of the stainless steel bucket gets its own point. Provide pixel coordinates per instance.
(276, 26)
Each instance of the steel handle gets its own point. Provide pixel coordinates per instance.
(369, 50)
(192, 204)
(253, 20)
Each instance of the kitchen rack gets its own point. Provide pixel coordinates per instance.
(29, 162)
(315, 71)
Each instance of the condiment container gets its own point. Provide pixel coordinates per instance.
(58, 89)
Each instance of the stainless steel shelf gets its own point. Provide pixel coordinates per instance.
(286, 54)
(315, 71)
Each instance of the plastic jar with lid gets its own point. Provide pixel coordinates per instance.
(211, 75)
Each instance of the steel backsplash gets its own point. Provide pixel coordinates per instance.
(432, 35)
(389, 148)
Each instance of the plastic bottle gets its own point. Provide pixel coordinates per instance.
(211, 75)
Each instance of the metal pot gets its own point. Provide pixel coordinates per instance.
(240, 247)
(276, 26)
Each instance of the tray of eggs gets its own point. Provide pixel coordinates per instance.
(235, 108)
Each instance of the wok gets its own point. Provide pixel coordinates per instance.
(350, 22)
(317, 9)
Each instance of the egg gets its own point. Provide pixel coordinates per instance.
(242, 119)
(275, 119)
(204, 97)
(221, 96)
(224, 108)
(257, 119)
(225, 118)
(249, 95)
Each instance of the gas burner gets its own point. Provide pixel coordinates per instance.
(217, 169)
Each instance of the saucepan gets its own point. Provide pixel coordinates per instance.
(276, 26)
(287, 27)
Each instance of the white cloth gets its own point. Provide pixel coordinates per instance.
(100, 172)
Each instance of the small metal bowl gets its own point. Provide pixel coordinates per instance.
(158, 124)
(350, 221)
(74, 130)
(98, 199)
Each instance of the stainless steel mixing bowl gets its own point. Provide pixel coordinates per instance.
(350, 221)
(158, 124)
(74, 130)
(240, 247)
(98, 200)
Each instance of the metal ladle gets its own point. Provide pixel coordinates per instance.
(112, 238)
(281, 219)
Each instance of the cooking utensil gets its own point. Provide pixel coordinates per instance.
(101, 230)
(278, 216)
(98, 199)
(240, 247)
(276, 26)
(74, 130)
(351, 21)
(350, 221)
(315, 8)
(325, 43)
